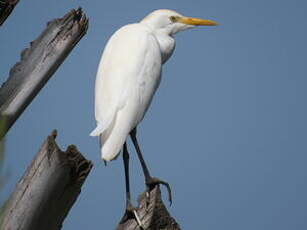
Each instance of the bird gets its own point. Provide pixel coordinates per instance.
(128, 76)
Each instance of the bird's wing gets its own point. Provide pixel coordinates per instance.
(125, 59)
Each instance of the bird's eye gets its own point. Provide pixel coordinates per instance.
(173, 18)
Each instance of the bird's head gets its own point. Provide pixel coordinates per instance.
(171, 22)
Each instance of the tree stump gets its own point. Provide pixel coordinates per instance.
(48, 189)
(155, 217)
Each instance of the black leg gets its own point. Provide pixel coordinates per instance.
(130, 210)
(126, 165)
(150, 182)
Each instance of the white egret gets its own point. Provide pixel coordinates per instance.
(128, 75)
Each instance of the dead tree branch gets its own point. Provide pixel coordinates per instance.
(155, 217)
(6, 8)
(38, 63)
(48, 189)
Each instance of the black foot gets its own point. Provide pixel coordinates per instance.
(151, 182)
(131, 213)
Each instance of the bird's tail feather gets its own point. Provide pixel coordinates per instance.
(97, 131)
(111, 146)
(112, 135)
(102, 127)
(114, 138)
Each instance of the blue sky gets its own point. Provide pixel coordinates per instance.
(227, 127)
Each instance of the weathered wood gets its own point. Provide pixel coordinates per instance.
(48, 189)
(6, 8)
(155, 217)
(38, 63)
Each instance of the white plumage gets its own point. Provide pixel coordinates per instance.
(129, 73)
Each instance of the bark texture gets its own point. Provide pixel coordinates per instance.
(48, 189)
(38, 63)
(155, 217)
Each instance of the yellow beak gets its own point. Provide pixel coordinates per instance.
(197, 21)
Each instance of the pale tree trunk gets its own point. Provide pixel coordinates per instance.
(47, 190)
(38, 63)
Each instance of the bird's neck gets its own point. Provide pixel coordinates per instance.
(164, 38)
(166, 43)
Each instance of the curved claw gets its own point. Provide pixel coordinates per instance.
(153, 181)
(168, 187)
(131, 213)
